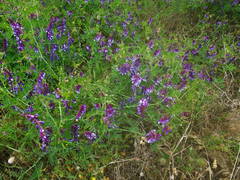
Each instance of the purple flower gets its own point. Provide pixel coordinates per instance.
(81, 112)
(164, 120)
(33, 16)
(31, 117)
(124, 68)
(125, 33)
(135, 65)
(205, 38)
(69, 13)
(53, 55)
(66, 105)
(168, 84)
(44, 137)
(91, 136)
(149, 90)
(40, 87)
(202, 75)
(182, 84)
(17, 32)
(160, 63)
(77, 88)
(235, 2)
(49, 30)
(97, 106)
(136, 80)
(168, 101)
(166, 130)
(152, 136)
(88, 48)
(142, 105)
(109, 113)
(44, 134)
(57, 93)
(157, 52)
(61, 28)
(151, 44)
(51, 105)
(150, 21)
(5, 44)
(74, 129)
(110, 41)
(185, 56)
(29, 109)
(194, 52)
(98, 37)
(162, 93)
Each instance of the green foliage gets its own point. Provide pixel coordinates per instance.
(193, 45)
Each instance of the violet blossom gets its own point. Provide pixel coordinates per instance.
(164, 120)
(124, 68)
(81, 112)
(75, 132)
(152, 136)
(142, 105)
(91, 136)
(17, 32)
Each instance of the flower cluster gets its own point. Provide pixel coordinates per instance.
(44, 134)
(91, 136)
(41, 87)
(17, 32)
(81, 112)
(109, 113)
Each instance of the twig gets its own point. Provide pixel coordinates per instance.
(235, 164)
(120, 161)
(181, 139)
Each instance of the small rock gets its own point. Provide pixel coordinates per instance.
(11, 160)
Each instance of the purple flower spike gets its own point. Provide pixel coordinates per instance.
(44, 134)
(142, 105)
(91, 136)
(17, 32)
(75, 128)
(164, 120)
(81, 112)
(152, 136)
(40, 87)
(44, 137)
(61, 28)
(49, 30)
(109, 113)
(124, 69)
